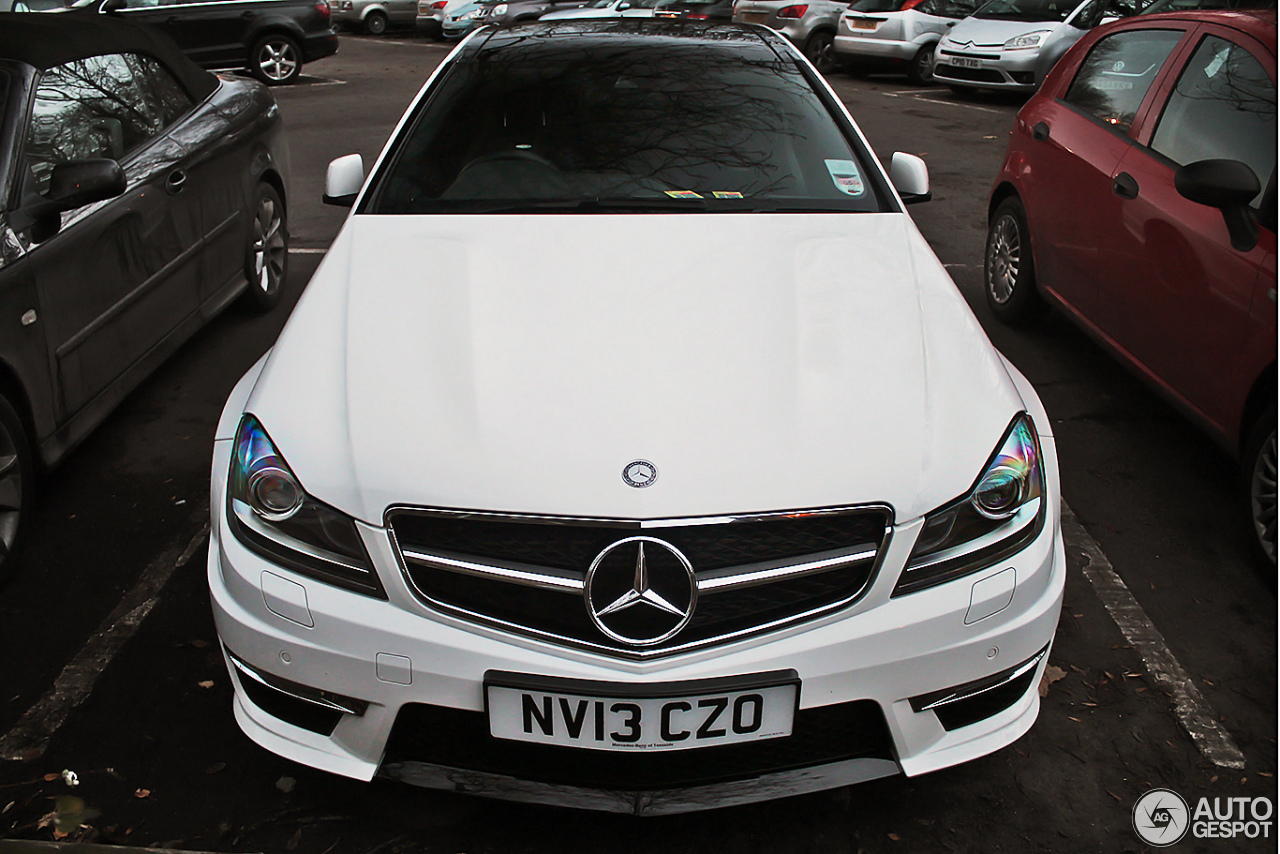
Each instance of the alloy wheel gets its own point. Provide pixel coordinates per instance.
(1262, 496)
(268, 245)
(1004, 255)
(277, 60)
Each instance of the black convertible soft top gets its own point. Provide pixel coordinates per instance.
(47, 39)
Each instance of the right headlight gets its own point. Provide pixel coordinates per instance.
(272, 515)
(999, 516)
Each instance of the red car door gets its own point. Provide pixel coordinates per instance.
(1174, 293)
(1077, 140)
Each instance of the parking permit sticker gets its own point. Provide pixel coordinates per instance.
(725, 194)
(845, 175)
(683, 194)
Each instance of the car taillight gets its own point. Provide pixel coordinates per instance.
(439, 4)
(911, 4)
(794, 11)
(322, 6)
(697, 16)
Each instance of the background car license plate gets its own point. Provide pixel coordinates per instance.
(641, 723)
(754, 17)
(862, 24)
(962, 62)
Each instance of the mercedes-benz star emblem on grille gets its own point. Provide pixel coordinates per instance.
(640, 473)
(641, 591)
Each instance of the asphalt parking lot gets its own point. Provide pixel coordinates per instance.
(1165, 660)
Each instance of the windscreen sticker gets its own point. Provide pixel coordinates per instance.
(1218, 61)
(845, 175)
(683, 194)
(726, 194)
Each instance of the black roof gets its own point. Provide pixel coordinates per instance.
(53, 38)
(549, 38)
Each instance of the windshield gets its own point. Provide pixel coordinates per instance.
(628, 127)
(1027, 10)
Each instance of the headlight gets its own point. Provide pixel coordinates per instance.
(998, 517)
(1027, 40)
(500, 10)
(272, 515)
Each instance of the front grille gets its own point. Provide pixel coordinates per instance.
(564, 548)
(970, 55)
(460, 739)
(977, 75)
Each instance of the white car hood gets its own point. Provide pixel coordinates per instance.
(989, 32)
(761, 362)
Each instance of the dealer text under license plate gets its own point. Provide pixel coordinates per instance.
(641, 723)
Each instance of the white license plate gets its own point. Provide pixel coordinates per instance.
(861, 24)
(637, 723)
(754, 17)
(961, 62)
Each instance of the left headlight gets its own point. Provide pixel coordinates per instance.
(998, 517)
(1027, 40)
(272, 515)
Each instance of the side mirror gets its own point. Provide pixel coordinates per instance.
(1228, 185)
(624, 6)
(74, 185)
(910, 177)
(343, 181)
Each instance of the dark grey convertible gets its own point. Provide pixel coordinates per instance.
(139, 195)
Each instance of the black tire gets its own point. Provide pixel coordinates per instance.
(266, 260)
(1258, 467)
(17, 482)
(920, 71)
(375, 24)
(819, 49)
(275, 59)
(1008, 269)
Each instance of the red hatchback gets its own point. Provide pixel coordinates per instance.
(1138, 193)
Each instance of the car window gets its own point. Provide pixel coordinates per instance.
(1115, 76)
(1223, 106)
(1096, 11)
(633, 124)
(1027, 10)
(877, 5)
(947, 8)
(102, 106)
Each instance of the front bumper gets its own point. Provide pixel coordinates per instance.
(996, 68)
(868, 665)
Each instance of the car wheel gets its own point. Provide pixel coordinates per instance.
(818, 49)
(17, 473)
(1259, 468)
(920, 71)
(275, 59)
(267, 252)
(375, 24)
(1008, 270)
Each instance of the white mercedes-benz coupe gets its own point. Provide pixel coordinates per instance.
(631, 450)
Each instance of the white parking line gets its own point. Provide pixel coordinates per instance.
(30, 736)
(916, 97)
(1193, 711)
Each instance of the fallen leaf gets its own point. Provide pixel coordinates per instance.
(199, 644)
(208, 683)
(292, 844)
(1052, 674)
(142, 793)
(1264, 774)
(895, 837)
(286, 784)
(12, 803)
(49, 778)
(1077, 720)
(215, 768)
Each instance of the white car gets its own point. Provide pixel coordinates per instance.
(725, 498)
(605, 9)
(902, 33)
(1012, 44)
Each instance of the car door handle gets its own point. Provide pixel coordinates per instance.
(175, 182)
(1040, 131)
(1124, 186)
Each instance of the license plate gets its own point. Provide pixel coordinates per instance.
(600, 716)
(961, 62)
(862, 24)
(754, 17)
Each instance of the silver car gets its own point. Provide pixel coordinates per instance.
(897, 32)
(605, 9)
(373, 16)
(1012, 44)
(810, 26)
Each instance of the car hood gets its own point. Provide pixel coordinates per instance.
(989, 32)
(759, 361)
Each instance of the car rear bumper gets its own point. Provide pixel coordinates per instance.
(319, 45)
(874, 48)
